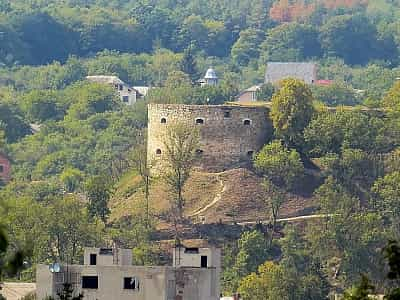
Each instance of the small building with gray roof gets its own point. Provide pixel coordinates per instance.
(277, 71)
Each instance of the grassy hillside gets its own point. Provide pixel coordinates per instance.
(233, 195)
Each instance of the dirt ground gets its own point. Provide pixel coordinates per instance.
(232, 196)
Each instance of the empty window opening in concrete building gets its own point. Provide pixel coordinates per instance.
(247, 122)
(163, 120)
(90, 282)
(106, 251)
(93, 259)
(250, 153)
(158, 151)
(199, 121)
(227, 114)
(125, 99)
(120, 87)
(203, 261)
(192, 250)
(59, 278)
(131, 283)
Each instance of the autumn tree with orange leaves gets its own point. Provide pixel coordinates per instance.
(288, 11)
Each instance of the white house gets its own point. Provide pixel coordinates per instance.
(127, 94)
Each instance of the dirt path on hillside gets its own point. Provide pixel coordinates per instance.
(216, 199)
(293, 219)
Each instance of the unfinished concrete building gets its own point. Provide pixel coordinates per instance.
(108, 274)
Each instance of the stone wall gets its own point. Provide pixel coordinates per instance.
(229, 134)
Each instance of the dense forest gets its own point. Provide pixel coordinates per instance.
(70, 141)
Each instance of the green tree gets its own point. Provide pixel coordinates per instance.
(274, 200)
(360, 292)
(55, 229)
(40, 106)
(141, 164)
(70, 229)
(13, 123)
(163, 63)
(348, 234)
(335, 94)
(244, 259)
(343, 36)
(392, 99)
(291, 111)
(291, 42)
(251, 252)
(364, 288)
(13, 50)
(246, 47)
(99, 191)
(71, 178)
(188, 64)
(392, 254)
(387, 199)
(3, 143)
(9, 264)
(303, 271)
(177, 79)
(267, 284)
(180, 144)
(92, 98)
(39, 29)
(265, 92)
(279, 164)
(324, 134)
(177, 89)
(331, 132)
(135, 232)
(354, 169)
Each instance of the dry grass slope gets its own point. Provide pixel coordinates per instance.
(232, 196)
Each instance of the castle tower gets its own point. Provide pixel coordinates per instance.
(229, 134)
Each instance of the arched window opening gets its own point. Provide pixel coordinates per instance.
(199, 152)
(247, 122)
(227, 114)
(250, 153)
(199, 121)
(163, 120)
(158, 151)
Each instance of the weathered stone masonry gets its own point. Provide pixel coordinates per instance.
(229, 135)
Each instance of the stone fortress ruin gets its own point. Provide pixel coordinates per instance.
(229, 134)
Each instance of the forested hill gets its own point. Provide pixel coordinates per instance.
(40, 31)
(77, 152)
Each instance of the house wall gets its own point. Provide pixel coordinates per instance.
(5, 175)
(184, 259)
(152, 282)
(189, 259)
(197, 284)
(247, 97)
(225, 141)
(130, 94)
(119, 257)
(155, 283)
